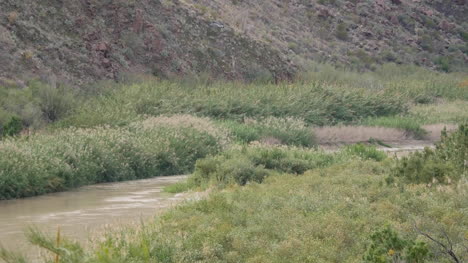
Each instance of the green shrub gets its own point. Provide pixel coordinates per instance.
(37, 104)
(387, 246)
(12, 127)
(55, 102)
(446, 163)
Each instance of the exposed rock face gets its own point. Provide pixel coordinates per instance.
(81, 41)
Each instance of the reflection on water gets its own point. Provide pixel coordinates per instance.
(82, 211)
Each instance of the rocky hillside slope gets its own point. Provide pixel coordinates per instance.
(81, 41)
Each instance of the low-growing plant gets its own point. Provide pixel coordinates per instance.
(178, 187)
(366, 152)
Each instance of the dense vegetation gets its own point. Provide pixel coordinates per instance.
(72, 157)
(339, 211)
(394, 96)
(272, 194)
(270, 114)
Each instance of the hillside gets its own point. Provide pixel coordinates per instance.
(87, 40)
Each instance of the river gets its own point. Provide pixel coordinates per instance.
(81, 212)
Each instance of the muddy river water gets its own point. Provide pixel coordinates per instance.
(83, 211)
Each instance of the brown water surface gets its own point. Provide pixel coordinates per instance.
(83, 211)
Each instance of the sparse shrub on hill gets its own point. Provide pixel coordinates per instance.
(341, 32)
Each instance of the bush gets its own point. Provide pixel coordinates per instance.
(70, 158)
(387, 246)
(341, 32)
(12, 127)
(446, 163)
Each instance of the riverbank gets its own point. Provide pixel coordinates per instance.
(271, 203)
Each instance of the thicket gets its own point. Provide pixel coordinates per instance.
(69, 158)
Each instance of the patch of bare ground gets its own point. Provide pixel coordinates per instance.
(434, 130)
(338, 135)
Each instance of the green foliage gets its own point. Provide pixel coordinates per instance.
(254, 164)
(54, 102)
(70, 158)
(387, 246)
(325, 215)
(446, 163)
(12, 127)
(365, 152)
(315, 103)
(36, 104)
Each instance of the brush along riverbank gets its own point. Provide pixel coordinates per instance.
(353, 206)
